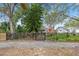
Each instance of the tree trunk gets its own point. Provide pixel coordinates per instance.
(11, 26)
(11, 19)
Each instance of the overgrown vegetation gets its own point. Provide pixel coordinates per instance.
(63, 37)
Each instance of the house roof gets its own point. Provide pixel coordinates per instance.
(61, 28)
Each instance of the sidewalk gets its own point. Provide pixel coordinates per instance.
(37, 44)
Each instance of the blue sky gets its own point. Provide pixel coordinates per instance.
(74, 12)
(3, 17)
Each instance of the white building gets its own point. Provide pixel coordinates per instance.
(73, 29)
(61, 30)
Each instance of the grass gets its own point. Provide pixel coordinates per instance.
(63, 37)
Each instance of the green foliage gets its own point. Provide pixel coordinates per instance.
(21, 10)
(4, 27)
(19, 13)
(72, 23)
(19, 29)
(32, 21)
(63, 37)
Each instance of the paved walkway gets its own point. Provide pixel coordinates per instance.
(37, 44)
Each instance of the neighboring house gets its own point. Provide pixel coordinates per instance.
(67, 30)
(62, 30)
(74, 29)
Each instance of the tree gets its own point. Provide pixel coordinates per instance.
(56, 15)
(9, 9)
(32, 21)
(72, 23)
(59, 9)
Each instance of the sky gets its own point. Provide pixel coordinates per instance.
(3, 17)
(72, 12)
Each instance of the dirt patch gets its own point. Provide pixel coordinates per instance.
(39, 52)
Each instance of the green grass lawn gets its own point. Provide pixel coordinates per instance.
(63, 37)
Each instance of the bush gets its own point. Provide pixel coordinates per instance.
(63, 37)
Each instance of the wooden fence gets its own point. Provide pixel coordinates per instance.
(26, 36)
(2, 36)
(33, 36)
